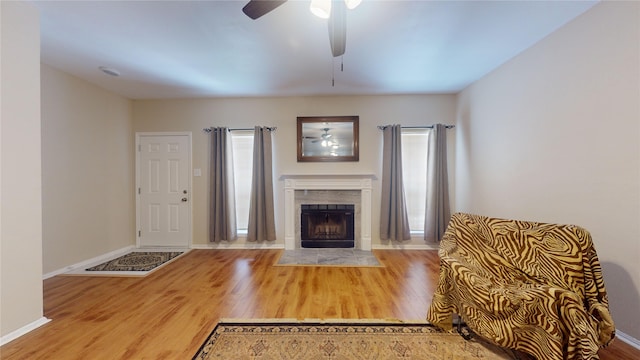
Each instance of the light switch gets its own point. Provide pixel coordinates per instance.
(197, 172)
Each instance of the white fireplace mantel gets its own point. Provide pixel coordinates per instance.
(360, 182)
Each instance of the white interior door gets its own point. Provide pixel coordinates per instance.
(164, 190)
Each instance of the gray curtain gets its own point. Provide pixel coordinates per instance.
(261, 213)
(394, 221)
(437, 212)
(222, 212)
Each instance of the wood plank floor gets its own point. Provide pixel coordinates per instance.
(168, 314)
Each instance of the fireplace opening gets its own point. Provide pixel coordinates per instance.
(327, 226)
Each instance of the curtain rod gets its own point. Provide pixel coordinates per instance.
(208, 130)
(382, 127)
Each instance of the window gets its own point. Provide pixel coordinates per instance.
(242, 143)
(415, 143)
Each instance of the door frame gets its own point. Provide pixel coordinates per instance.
(189, 136)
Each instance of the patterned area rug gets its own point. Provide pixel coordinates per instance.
(340, 340)
(136, 261)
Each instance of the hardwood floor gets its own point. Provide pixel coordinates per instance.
(168, 314)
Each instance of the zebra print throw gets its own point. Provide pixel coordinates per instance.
(529, 286)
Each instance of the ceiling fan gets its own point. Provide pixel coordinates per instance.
(334, 10)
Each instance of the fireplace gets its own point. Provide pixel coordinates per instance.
(329, 189)
(327, 225)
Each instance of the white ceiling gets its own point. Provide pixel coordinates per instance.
(170, 49)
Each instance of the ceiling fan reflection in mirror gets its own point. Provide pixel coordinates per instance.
(333, 10)
(324, 136)
(324, 139)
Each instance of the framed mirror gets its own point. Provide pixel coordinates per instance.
(328, 138)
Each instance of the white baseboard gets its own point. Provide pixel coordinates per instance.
(23, 330)
(101, 258)
(628, 339)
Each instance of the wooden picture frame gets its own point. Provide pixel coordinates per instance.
(327, 138)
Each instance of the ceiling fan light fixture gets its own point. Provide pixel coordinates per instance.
(321, 8)
(352, 4)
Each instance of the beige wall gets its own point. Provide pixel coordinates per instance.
(87, 170)
(195, 114)
(554, 136)
(20, 184)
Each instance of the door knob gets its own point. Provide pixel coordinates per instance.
(184, 199)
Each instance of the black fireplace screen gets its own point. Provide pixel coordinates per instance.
(327, 225)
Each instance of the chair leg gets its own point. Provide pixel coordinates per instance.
(463, 330)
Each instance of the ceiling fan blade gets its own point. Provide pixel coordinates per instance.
(338, 27)
(256, 8)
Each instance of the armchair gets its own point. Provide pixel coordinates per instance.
(528, 286)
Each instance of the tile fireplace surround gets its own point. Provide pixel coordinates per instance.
(361, 183)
